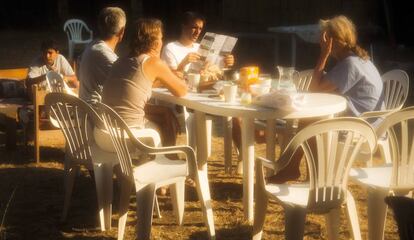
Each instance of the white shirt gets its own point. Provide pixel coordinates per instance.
(174, 52)
(39, 68)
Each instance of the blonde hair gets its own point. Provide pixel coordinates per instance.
(341, 29)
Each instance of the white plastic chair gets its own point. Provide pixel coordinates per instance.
(152, 174)
(284, 132)
(74, 28)
(55, 83)
(396, 87)
(396, 178)
(329, 163)
(76, 119)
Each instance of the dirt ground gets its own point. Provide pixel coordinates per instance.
(31, 196)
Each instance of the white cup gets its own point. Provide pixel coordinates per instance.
(193, 81)
(230, 92)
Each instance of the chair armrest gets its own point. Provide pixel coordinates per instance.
(260, 176)
(187, 150)
(375, 114)
(266, 163)
(148, 133)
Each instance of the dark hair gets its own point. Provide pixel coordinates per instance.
(189, 17)
(111, 20)
(49, 44)
(145, 33)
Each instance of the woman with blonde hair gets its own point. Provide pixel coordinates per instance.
(354, 75)
(129, 84)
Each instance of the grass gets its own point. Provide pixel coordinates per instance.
(31, 198)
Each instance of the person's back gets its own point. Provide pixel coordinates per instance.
(129, 85)
(127, 90)
(99, 56)
(360, 82)
(97, 60)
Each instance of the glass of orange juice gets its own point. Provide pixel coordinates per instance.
(249, 75)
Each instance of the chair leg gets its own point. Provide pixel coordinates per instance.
(70, 50)
(384, 147)
(203, 191)
(353, 217)
(294, 223)
(126, 186)
(145, 206)
(157, 207)
(68, 182)
(332, 220)
(103, 181)
(377, 212)
(259, 215)
(177, 197)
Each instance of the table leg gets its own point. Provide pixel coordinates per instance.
(247, 132)
(270, 139)
(201, 140)
(228, 128)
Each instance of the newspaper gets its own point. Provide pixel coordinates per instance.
(213, 47)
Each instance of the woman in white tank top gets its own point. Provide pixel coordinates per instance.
(128, 87)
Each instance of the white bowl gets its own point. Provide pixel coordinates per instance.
(259, 89)
(265, 82)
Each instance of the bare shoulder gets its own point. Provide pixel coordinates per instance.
(156, 62)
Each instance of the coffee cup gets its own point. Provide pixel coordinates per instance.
(230, 92)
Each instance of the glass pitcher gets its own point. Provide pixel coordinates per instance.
(286, 77)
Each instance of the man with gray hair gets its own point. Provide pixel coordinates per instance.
(99, 56)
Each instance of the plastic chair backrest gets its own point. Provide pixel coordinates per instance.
(399, 127)
(74, 28)
(76, 119)
(121, 136)
(330, 148)
(55, 83)
(396, 87)
(303, 82)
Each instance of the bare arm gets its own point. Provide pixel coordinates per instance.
(190, 58)
(72, 81)
(318, 83)
(155, 68)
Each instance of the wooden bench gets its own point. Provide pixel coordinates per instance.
(9, 106)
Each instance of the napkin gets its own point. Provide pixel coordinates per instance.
(281, 99)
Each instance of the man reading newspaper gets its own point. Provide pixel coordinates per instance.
(181, 54)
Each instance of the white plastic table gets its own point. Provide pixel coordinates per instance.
(317, 105)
